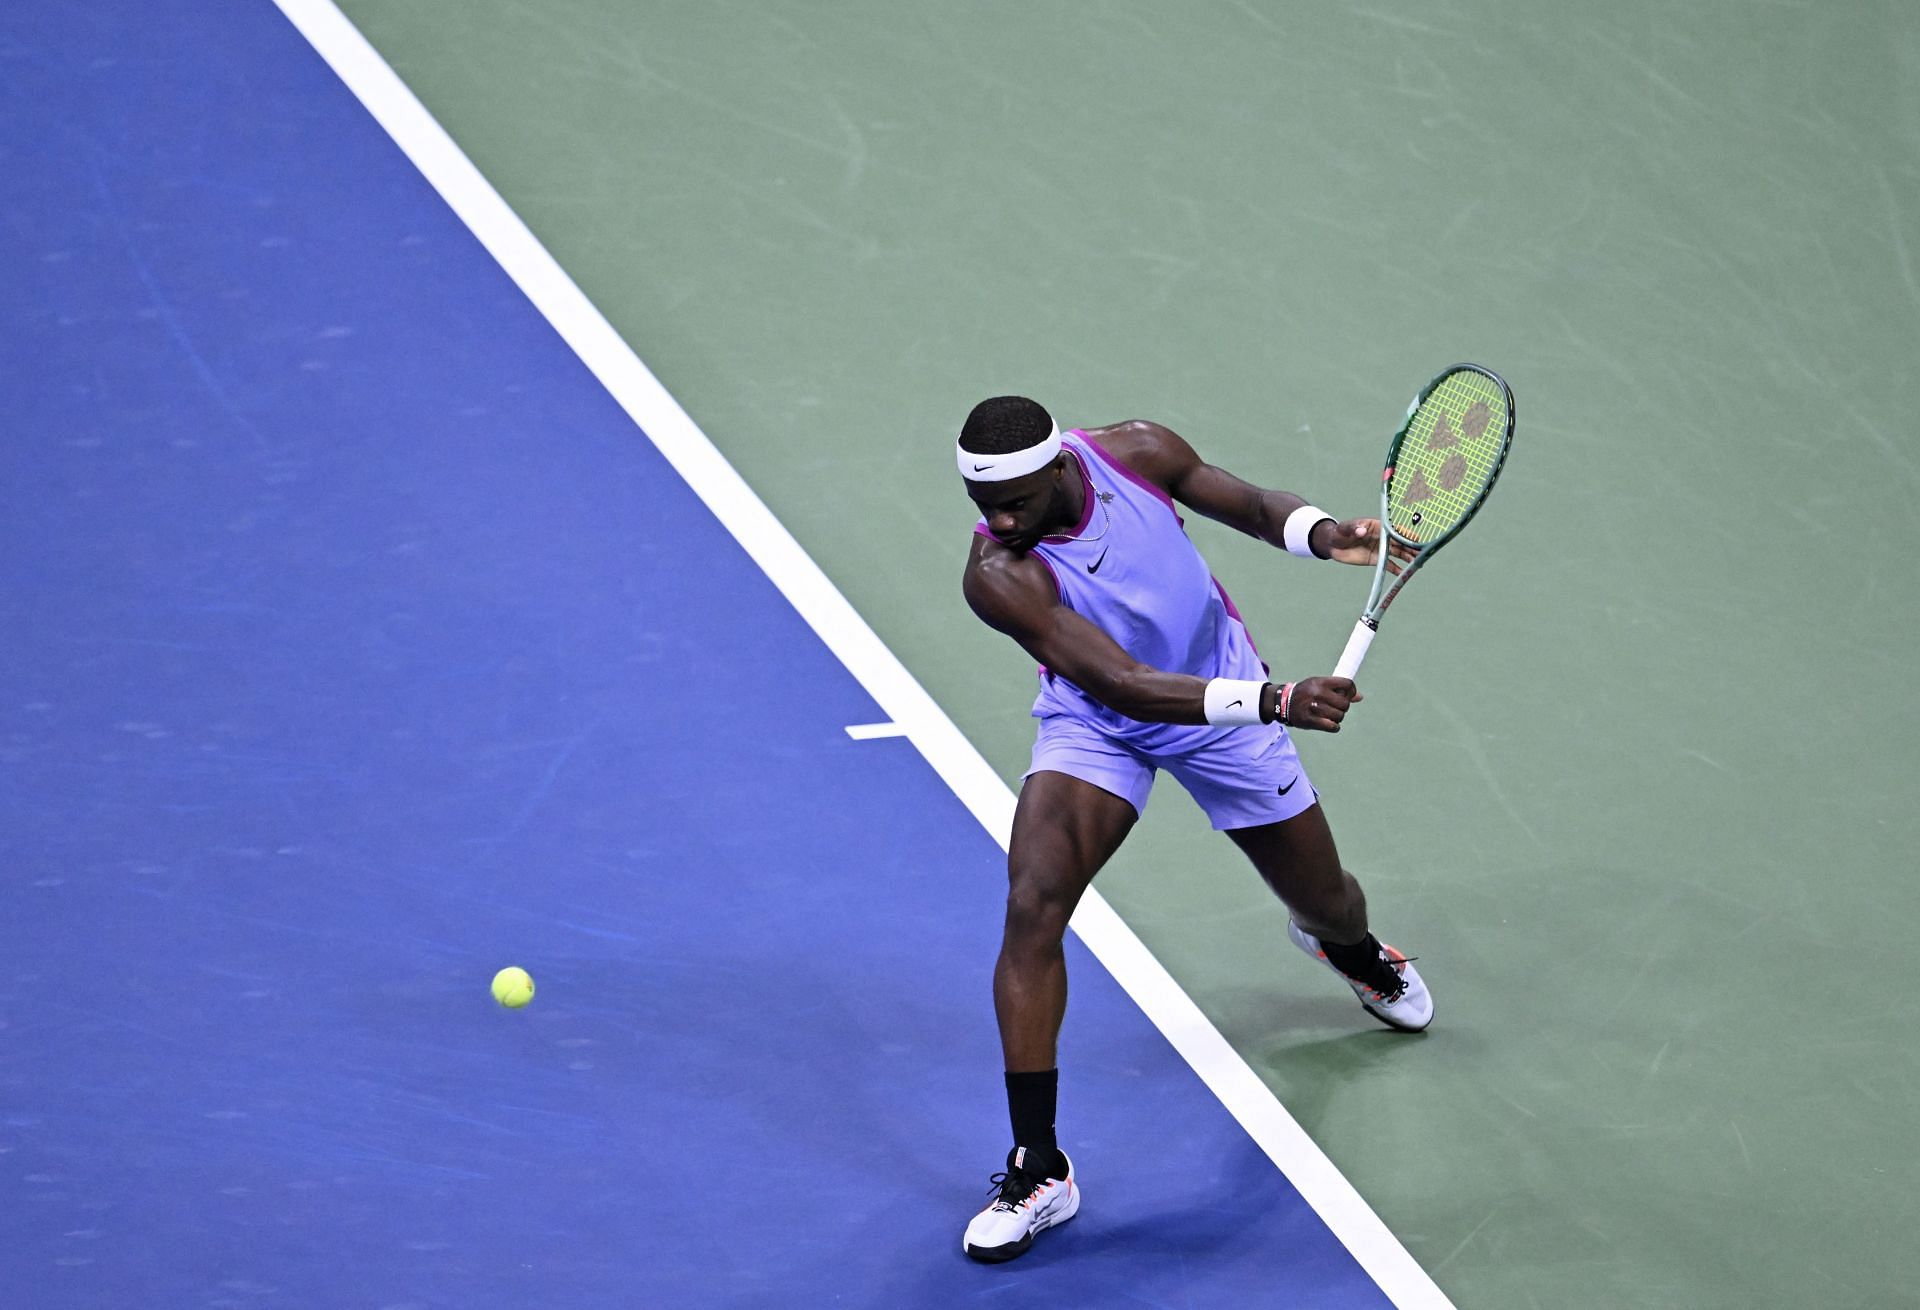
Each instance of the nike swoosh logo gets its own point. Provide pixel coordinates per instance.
(1095, 566)
(1234, 705)
(981, 468)
(1289, 787)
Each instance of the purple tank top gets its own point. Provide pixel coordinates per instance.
(1130, 569)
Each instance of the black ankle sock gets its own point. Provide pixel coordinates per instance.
(1360, 960)
(1031, 1100)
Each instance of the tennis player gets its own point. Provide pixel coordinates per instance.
(1081, 558)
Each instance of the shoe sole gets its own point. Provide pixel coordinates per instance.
(995, 1255)
(1398, 1027)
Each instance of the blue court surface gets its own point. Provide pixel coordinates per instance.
(357, 645)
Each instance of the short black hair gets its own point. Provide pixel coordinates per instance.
(1004, 424)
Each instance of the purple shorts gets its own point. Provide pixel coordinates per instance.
(1243, 778)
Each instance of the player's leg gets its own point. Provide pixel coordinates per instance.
(1064, 830)
(1296, 857)
(1252, 786)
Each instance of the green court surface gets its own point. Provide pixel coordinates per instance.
(1635, 775)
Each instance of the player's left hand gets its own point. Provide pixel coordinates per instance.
(1357, 541)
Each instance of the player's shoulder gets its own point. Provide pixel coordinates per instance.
(1001, 583)
(990, 561)
(1153, 450)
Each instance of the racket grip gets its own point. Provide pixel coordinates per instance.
(1356, 650)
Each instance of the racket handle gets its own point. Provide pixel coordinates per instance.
(1356, 650)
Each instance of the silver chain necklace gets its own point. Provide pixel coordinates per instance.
(1106, 513)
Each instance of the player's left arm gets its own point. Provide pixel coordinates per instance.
(1164, 457)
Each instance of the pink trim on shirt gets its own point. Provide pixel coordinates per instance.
(1058, 590)
(1159, 493)
(1233, 612)
(1086, 496)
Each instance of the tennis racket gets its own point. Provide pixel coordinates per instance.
(1442, 463)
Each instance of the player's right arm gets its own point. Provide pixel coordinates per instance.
(1015, 594)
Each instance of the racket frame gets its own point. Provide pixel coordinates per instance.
(1382, 595)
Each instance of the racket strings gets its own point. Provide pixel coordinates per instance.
(1448, 457)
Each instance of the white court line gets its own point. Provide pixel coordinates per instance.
(847, 635)
(869, 731)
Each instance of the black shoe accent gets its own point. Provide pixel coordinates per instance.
(1014, 1186)
(1366, 963)
(1386, 980)
(1001, 1254)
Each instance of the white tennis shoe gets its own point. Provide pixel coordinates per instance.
(1023, 1206)
(1395, 996)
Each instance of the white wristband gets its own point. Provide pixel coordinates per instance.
(1298, 532)
(1232, 702)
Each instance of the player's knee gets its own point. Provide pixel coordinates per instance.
(1037, 912)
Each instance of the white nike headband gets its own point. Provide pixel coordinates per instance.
(975, 467)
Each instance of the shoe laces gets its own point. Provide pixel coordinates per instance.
(1390, 972)
(1016, 1188)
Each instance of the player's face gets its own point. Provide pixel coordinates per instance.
(1020, 511)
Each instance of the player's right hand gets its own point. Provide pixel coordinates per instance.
(1357, 541)
(1321, 703)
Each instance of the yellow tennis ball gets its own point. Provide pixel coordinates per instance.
(512, 987)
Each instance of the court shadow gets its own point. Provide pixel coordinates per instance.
(1338, 1058)
(1117, 1253)
(1310, 1075)
(1253, 1017)
(1188, 1231)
